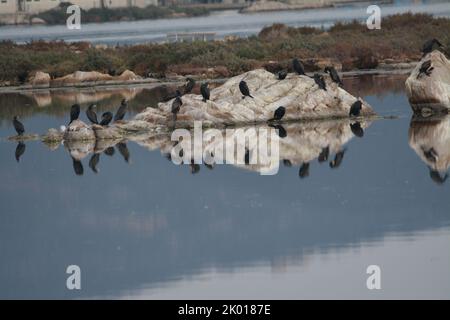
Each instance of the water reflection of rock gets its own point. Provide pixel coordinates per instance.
(299, 144)
(430, 139)
(85, 96)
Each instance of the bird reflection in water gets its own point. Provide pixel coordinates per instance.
(109, 151)
(307, 141)
(20, 150)
(93, 162)
(123, 150)
(77, 167)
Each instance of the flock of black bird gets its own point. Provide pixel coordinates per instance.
(355, 110)
(107, 116)
(75, 111)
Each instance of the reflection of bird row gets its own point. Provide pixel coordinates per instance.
(95, 158)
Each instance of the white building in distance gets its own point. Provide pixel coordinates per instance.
(36, 6)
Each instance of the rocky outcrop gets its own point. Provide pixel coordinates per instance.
(82, 76)
(430, 90)
(40, 79)
(300, 95)
(79, 131)
(97, 78)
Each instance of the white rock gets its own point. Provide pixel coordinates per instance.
(430, 92)
(301, 97)
(79, 131)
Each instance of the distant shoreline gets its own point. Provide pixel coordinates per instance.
(345, 46)
(151, 83)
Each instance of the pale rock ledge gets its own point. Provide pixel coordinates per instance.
(300, 95)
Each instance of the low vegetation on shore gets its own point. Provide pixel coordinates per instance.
(349, 45)
(59, 15)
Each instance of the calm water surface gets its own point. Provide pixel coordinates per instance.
(147, 228)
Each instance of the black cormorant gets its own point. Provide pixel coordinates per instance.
(282, 74)
(123, 150)
(94, 161)
(244, 89)
(204, 90)
(355, 109)
(91, 115)
(77, 167)
(176, 105)
(298, 67)
(278, 114)
(334, 75)
(323, 156)
(106, 118)
(320, 81)
(20, 129)
(357, 129)
(190, 83)
(120, 114)
(74, 112)
(304, 170)
(336, 162)
(20, 150)
(428, 46)
(425, 69)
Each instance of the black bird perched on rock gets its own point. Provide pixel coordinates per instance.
(280, 130)
(74, 112)
(357, 129)
(106, 118)
(304, 170)
(355, 109)
(91, 115)
(123, 150)
(320, 81)
(428, 46)
(323, 156)
(336, 162)
(190, 83)
(436, 176)
(334, 75)
(94, 161)
(282, 74)
(204, 90)
(120, 114)
(176, 105)
(298, 67)
(278, 114)
(20, 150)
(244, 89)
(77, 167)
(425, 69)
(18, 126)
